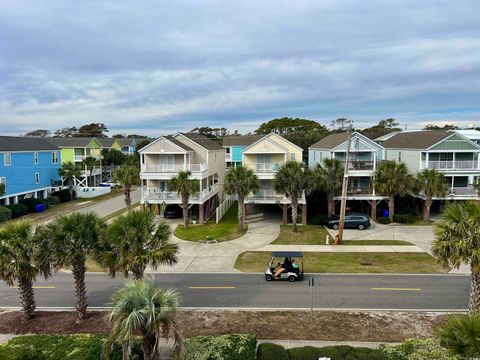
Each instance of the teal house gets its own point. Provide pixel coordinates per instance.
(234, 146)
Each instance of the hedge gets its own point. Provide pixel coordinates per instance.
(63, 195)
(5, 214)
(224, 347)
(318, 219)
(428, 349)
(18, 210)
(340, 352)
(269, 351)
(405, 218)
(31, 203)
(62, 347)
(53, 200)
(383, 220)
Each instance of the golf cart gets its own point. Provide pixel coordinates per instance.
(287, 261)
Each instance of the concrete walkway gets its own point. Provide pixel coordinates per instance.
(344, 248)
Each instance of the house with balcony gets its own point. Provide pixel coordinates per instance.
(162, 159)
(129, 145)
(234, 146)
(364, 156)
(28, 168)
(449, 152)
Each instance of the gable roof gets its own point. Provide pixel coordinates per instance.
(178, 143)
(416, 139)
(72, 142)
(331, 141)
(240, 140)
(203, 141)
(170, 139)
(268, 138)
(18, 143)
(107, 142)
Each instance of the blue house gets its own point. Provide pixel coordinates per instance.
(28, 166)
(233, 148)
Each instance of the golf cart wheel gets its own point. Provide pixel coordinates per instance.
(292, 278)
(361, 227)
(335, 226)
(268, 277)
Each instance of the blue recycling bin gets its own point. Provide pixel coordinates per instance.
(39, 208)
(385, 213)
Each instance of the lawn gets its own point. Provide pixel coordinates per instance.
(256, 261)
(226, 229)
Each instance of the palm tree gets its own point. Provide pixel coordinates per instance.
(127, 176)
(330, 179)
(73, 237)
(70, 171)
(457, 241)
(392, 179)
(184, 187)
(141, 307)
(2, 189)
(90, 163)
(241, 181)
(22, 259)
(461, 334)
(292, 179)
(133, 241)
(432, 183)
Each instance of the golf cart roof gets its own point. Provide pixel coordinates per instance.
(297, 254)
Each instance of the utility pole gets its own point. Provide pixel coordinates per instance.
(343, 203)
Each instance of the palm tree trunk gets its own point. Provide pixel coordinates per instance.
(149, 347)
(126, 350)
(128, 199)
(331, 204)
(294, 212)
(27, 297)
(474, 299)
(241, 209)
(391, 207)
(79, 268)
(137, 272)
(426, 208)
(185, 197)
(70, 187)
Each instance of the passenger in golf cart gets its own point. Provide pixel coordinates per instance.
(287, 269)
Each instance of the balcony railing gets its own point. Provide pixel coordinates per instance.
(151, 194)
(464, 191)
(266, 195)
(453, 165)
(267, 167)
(360, 191)
(361, 165)
(168, 168)
(83, 157)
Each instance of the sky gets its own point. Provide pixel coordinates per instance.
(156, 67)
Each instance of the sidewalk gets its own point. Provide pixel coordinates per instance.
(343, 248)
(288, 344)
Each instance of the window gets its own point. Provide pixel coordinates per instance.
(35, 157)
(399, 156)
(292, 156)
(54, 157)
(37, 178)
(227, 150)
(7, 159)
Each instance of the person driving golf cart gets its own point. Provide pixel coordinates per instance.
(288, 269)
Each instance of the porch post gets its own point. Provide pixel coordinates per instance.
(373, 215)
(304, 214)
(157, 209)
(200, 214)
(285, 214)
(142, 207)
(184, 162)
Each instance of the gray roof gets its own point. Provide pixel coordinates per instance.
(241, 140)
(203, 141)
(17, 143)
(131, 140)
(415, 139)
(71, 142)
(178, 143)
(331, 141)
(106, 142)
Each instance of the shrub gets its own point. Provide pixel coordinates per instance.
(340, 352)
(30, 203)
(53, 200)
(5, 213)
(17, 210)
(428, 349)
(318, 219)
(383, 220)
(63, 195)
(224, 347)
(461, 335)
(269, 351)
(68, 347)
(405, 218)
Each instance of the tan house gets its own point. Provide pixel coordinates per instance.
(161, 161)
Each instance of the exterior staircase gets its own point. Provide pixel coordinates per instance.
(251, 218)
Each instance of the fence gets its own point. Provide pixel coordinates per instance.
(223, 208)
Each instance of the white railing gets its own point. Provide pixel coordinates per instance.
(222, 209)
(464, 191)
(158, 195)
(266, 167)
(160, 168)
(453, 165)
(266, 195)
(83, 157)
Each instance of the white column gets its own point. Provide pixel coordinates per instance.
(374, 160)
(427, 161)
(454, 162)
(7, 201)
(35, 195)
(15, 199)
(184, 162)
(45, 194)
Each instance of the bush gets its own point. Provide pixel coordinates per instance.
(30, 203)
(224, 347)
(383, 220)
(340, 352)
(5, 214)
(405, 218)
(53, 200)
(68, 347)
(269, 351)
(417, 349)
(318, 219)
(461, 335)
(17, 210)
(63, 195)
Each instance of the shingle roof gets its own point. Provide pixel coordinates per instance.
(241, 140)
(71, 142)
(415, 139)
(178, 143)
(17, 143)
(106, 142)
(331, 141)
(203, 141)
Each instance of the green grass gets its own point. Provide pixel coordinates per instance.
(226, 229)
(255, 261)
(305, 235)
(120, 212)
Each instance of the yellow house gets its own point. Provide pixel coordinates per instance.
(110, 143)
(265, 157)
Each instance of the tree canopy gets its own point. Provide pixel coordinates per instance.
(287, 125)
(87, 130)
(38, 133)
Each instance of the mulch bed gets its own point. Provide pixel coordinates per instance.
(293, 325)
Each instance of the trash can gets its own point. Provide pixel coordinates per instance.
(39, 208)
(385, 213)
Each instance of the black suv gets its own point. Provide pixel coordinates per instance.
(352, 221)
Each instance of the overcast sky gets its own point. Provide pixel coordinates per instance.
(155, 67)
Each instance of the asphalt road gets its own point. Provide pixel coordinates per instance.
(386, 292)
(106, 207)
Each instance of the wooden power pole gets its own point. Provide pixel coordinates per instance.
(343, 203)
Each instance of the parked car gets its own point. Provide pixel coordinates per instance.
(352, 221)
(173, 212)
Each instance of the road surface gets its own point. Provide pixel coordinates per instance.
(106, 207)
(331, 291)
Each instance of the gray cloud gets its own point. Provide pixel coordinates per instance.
(156, 67)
